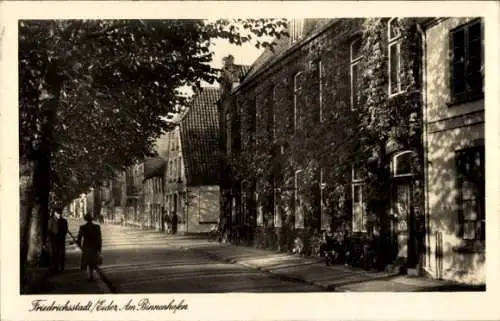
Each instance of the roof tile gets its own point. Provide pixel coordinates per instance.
(200, 139)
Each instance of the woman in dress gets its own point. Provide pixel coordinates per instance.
(91, 246)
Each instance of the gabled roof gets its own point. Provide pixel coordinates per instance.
(311, 28)
(200, 139)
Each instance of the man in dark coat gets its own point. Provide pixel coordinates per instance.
(91, 246)
(57, 230)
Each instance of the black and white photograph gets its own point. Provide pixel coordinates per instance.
(250, 155)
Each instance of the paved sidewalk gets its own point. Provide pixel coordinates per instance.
(312, 270)
(73, 280)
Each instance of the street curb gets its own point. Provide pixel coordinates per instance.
(101, 274)
(283, 277)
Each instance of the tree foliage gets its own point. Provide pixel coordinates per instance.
(93, 94)
(111, 81)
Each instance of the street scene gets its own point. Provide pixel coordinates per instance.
(252, 155)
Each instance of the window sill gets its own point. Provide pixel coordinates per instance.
(462, 99)
(470, 247)
(391, 96)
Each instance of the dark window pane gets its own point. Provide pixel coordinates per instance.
(394, 28)
(354, 85)
(475, 31)
(356, 196)
(458, 78)
(458, 66)
(394, 52)
(459, 45)
(356, 49)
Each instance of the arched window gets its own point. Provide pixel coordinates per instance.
(355, 58)
(402, 164)
(297, 93)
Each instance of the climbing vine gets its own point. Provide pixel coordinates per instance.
(331, 138)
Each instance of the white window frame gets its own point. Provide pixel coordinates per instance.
(395, 162)
(354, 61)
(361, 183)
(322, 187)
(299, 224)
(277, 214)
(260, 212)
(296, 91)
(394, 41)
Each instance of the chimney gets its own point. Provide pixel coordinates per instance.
(228, 61)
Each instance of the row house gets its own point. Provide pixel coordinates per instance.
(134, 202)
(183, 180)
(199, 137)
(346, 125)
(455, 152)
(154, 171)
(170, 149)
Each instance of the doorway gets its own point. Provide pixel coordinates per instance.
(405, 233)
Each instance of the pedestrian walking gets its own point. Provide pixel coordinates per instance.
(174, 223)
(57, 230)
(91, 246)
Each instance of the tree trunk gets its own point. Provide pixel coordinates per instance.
(35, 212)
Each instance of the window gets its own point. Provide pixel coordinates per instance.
(355, 57)
(402, 164)
(358, 202)
(228, 134)
(322, 206)
(297, 100)
(260, 213)
(320, 89)
(394, 37)
(272, 115)
(253, 121)
(170, 170)
(276, 197)
(180, 168)
(471, 187)
(467, 62)
(299, 212)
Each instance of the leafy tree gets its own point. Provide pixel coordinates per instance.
(93, 93)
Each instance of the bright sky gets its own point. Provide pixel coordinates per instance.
(245, 54)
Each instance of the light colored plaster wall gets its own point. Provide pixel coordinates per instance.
(203, 208)
(449, 128)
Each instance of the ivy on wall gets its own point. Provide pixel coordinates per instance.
(337, 140)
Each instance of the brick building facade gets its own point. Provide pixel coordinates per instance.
(375, 126)
(290, 135)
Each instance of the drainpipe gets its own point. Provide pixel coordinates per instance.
(425, 143)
